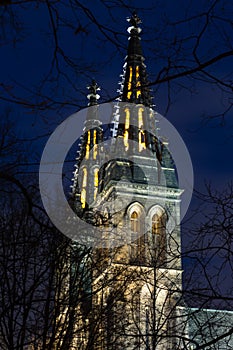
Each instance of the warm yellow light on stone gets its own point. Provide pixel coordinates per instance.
(83, 197)
(127, 118)
(94, 137)
(84, 183)
(87, 151)
(95, 151)
(130, 82)
(126, 137)
(140, 117)
(138, 84)
(96, 179)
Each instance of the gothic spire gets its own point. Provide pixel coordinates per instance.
(85, 180)
(134, 83)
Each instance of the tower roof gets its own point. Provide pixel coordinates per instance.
(134, 85)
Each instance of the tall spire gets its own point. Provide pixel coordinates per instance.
(134, 85)
(85, 181)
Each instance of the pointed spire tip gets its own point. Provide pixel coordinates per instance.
(134, 20)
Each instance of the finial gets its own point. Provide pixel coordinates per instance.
(93, 96)
(134, 20)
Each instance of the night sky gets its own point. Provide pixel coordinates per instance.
(29, 73)
(49, 54)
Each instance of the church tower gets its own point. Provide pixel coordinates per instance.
(85, 181)
(136, 273)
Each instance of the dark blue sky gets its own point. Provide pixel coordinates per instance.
(49, 54)
(30, 74)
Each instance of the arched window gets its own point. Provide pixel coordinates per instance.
(158, 230)
(137, 238)
(84, 185)
(135, 223)
(83, 197)
(96, 182)
(84, 180)
(156, 224)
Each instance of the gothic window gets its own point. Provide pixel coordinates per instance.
(96, 182)
(84, 180)
(156, 224)
(158, 230)
(94, 137)
(127, 118)
(83, 197)
(126, 133)
(96, 171)
(137, 244)
(135, 223)
(138, 84)
(130, 82)
(141, 144)
(88, 144)
(140, 118)
(84, 185)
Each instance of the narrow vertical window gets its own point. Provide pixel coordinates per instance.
(95, 150)
(138, 246)
(135, 222)
(96, 171)
(127, 117)
(88, 144)
(155, 224)
(88, 137)
(138, 84)
(83, 198)
(142, 143)
(94, 137)
(140, 117)
(159, 237)
(130, 82)
(87, 151)
(126, 134)
(84, 185)
(96, 182)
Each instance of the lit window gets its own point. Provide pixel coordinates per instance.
(138, 84)
(127, 115)
(87, 151)
(140, 117)
(88, 137)
(95, 151)
(135, 224)
(94, 137)
(96, 171)
(159, 237)
(84, 182)
(138, 244)
(126, 137)
(83, 198)
(156, 224)
(130, 82)
(88, 144)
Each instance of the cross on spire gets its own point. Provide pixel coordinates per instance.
(134, 20)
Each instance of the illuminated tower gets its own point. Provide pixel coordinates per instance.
(141, 306)
(136, 276)
(85, 181)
